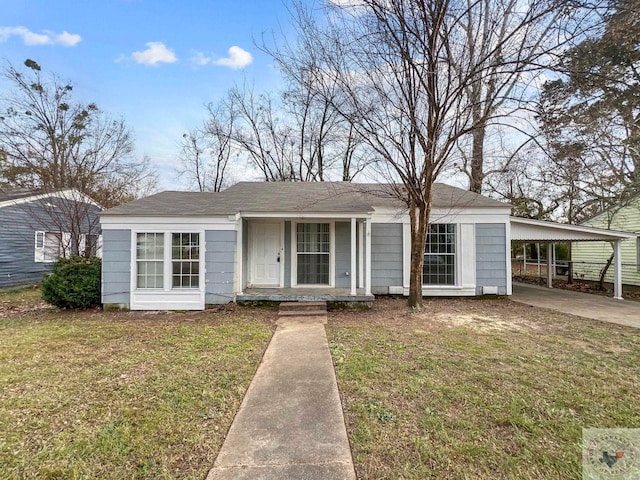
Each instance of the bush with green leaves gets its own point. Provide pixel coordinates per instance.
(73, 283)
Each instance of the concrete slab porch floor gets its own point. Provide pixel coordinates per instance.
(596, 307)
(290, 424)
(303, 294)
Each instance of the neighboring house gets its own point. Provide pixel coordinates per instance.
(340, 241)
(37, 228)
(590, 258)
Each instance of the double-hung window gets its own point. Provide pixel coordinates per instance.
(440, 255)
(167, 260)
(185, 260)
(313, 253)
(150, 260)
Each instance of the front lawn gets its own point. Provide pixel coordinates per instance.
(479, 388)
(123, 394)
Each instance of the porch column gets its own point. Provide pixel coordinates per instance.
(353, 257)
(361, 254)
(367, 262)
(617, 262)
(549, 265)
(239, 286)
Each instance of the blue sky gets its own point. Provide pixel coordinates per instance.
(155, 63)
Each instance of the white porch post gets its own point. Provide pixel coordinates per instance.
(361, 254)
(239, 254)
(617, 262)
(353, 257)
(367, 262)
(549, 265)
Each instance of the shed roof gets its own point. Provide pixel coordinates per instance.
(293, 197)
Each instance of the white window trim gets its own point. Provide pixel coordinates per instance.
(40, 252)
(332, 253)
(168, 271)
(456, 255)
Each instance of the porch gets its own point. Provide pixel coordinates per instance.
(303, 294)
(309, 257)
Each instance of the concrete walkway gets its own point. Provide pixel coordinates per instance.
(596, 307)
(290, 424)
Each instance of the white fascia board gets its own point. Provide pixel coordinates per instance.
(528, 229)
(166, 223)
(303, 215)
(69, 194)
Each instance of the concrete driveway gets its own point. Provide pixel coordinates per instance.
(596, 307)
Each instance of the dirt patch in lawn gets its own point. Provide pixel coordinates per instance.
(22, 301)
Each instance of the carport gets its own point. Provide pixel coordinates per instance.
(527, 230)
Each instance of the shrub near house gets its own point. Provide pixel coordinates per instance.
(73, 283)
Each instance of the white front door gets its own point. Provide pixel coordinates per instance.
(265, 253)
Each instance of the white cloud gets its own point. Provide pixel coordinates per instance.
(200, 59)
(156, 53)
(30, 38)
(238, 58)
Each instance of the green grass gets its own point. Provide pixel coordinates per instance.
(121, 395)
(479, 389)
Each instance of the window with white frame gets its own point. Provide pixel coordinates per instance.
(49, 246)
(440, 255)
(313, 253)
(167, 260)
(185, 260)
(150, 260)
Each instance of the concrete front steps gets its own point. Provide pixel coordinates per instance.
(302, 312)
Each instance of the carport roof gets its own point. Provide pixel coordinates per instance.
(525, 229)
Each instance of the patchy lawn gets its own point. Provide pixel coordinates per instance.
(122, 394)
(479, 388)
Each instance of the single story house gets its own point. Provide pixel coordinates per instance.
(293, 240)
(590, 258)
(36, 228)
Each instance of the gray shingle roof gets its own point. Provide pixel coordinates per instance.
(17, 193)
(292, 198)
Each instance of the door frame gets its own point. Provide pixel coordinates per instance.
(250, 259)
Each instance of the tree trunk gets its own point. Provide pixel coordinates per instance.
(603, 272)
(477, 160)
(419, 216)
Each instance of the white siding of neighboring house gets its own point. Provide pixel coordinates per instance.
(595, 254)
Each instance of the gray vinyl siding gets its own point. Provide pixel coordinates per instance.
(287, 254)
(116, 266)
(386, 257)
(491, 248)
(18, 224)
(219, 266)
(343, 254)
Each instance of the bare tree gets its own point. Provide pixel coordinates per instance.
(510, 43)
(49, 141)
(205, 152)
(402, 73)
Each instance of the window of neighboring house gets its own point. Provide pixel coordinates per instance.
(440, 255)
(638, 253)
(313, 253)
(49, 246)
(90, 245)
(185, 260)
(150, 260)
